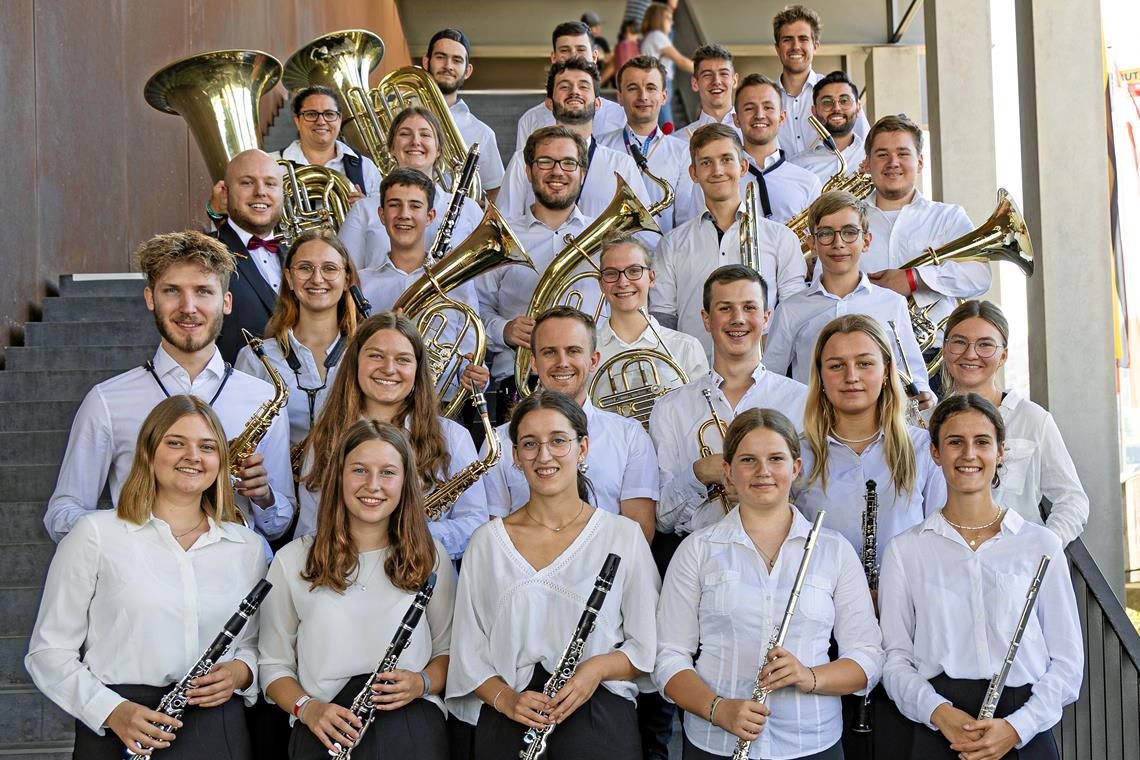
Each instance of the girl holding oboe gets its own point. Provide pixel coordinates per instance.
(951, 593)
(135, 595)
(724, 595)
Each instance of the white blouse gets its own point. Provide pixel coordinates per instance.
(323, 638)
(126, 604)
(948, 609)
(718, 598)
(845, 497)
(510, 617)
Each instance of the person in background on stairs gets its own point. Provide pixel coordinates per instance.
(448, 60)
(187, 275)
(657, 42)
(135, 595)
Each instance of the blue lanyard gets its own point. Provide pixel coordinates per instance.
(644, 146)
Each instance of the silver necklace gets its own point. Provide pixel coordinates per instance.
(560, 527)
(838, 437)
(363, 585)
(973, 541)
(178, 536)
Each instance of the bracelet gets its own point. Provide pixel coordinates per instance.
(911, 280)
(213, 214)
(712, 708)
(303, 700)
(427, 683)
(495, 701)
(814, 683)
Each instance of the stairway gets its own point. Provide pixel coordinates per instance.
(501, 110)
(97, 327)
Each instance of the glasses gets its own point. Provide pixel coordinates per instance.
(956, 345)
(844, 101)
(558, 446)
(826, 236)
(305, 271)
(312, 116)
(546, 163)
(632, 273)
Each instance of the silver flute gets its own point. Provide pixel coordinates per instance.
(870, 559)
(997, 683)
(534, 740)
(760, 693)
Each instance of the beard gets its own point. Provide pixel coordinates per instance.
(843, 129)
(571, 118)
(556, 202)
(450, 89)
(188, 344)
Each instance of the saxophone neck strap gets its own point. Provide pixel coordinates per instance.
(335, 352)
(148, 365)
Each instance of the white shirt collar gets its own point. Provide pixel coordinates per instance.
(707, 215)
(809, 85)
(606, 334)
(217, 531)
(296, 154)
(730, 529)
(816, 286)
(918, 201)
(757, 375)
(460, 108)
(164, 363)
(576, 215)
(1011, 523)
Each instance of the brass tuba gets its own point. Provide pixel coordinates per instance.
(217, 93)
(624, 214)
(1002, 237)
(491, 245)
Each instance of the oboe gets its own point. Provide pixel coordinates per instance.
(534, 740)
(173, 703)
(760, 693)
(442, 242)
(362, 706)
(997, 683)
(871, 570)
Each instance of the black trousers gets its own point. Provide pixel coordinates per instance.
(218, 733)
(967, 696)
(416, 730)
(834, 752)
(604, 727)
(889, 729)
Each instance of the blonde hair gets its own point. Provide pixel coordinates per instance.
(820, 416)
(161, 252)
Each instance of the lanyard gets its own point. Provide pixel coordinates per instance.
(762, 186)
(148, 365)
(331, 360)
(645, 145)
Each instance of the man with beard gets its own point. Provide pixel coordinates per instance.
(187, 274)
(714, 80)
(838, 108)
(571, 39)
(253, 197)
(572, 92)
(448, 60)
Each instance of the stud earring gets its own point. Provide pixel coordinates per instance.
(583, 467)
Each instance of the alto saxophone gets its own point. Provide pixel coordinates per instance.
(247, 440)
(441, 499)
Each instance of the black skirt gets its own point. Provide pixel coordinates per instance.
(967, 696)
(217, 732)
(415, 730)
(889, 729)
(606, 726)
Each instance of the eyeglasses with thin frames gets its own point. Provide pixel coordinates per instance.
(632, 273)
(826, 235)
(305, 270)
(956, 345)
(558, 446)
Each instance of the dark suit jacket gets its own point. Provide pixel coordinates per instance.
(253, 298)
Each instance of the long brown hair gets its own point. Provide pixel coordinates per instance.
(333, 556)
(568, 408)
(345, 404)
(986, 310)
(288, 310)
(140, 489)
(819, 414)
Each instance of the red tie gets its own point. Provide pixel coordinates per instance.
(270, 245)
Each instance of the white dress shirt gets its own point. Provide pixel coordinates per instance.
(820, 161)
(598, 188)
(684, 349)
(919, 225)
(303, 409)
(845, 497)
(322, 638)
(1037, 464)
(685, 259)
(621, 464)
(372, 176)
(510, 617)
(268, 264)
(795, 133)
(797, 322)
(685, 133)
(719, 598)
(668, 160)
(505, 293)
(684, 505)
(126, 604)
(791, 189)
(608, 117)
(454, 527)
(101, 446)
(367, 241)
(948, 609)
(472, 130)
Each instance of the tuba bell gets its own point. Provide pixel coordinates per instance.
(217, 93)
(624, 214)
(491, 245)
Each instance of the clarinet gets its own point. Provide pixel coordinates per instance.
(362, 304)
(362, 706)
(997, 683)
(760, 693)
(534, 741)
(173, 704)
(871, 570)
(442, 242)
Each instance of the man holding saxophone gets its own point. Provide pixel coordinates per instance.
(838, 108)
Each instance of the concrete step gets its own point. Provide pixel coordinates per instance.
(119, 333)
(88, 309)
(28, 716)
(120, 358)
(22, 522)
(127, 284)
(18, 608)
(501, 111)
(28, 482)
(12, 651)
(43, 385)
(38, 751)
(35, 415)
(36, 447)
(25, 564)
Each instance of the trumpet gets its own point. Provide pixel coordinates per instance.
(705, 450)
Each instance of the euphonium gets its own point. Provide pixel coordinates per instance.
(441, 499)
(625, 214)
(217, 94)
(706, 451)
(490, 245)
(313, 197)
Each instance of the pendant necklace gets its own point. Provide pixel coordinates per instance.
(973, 541)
